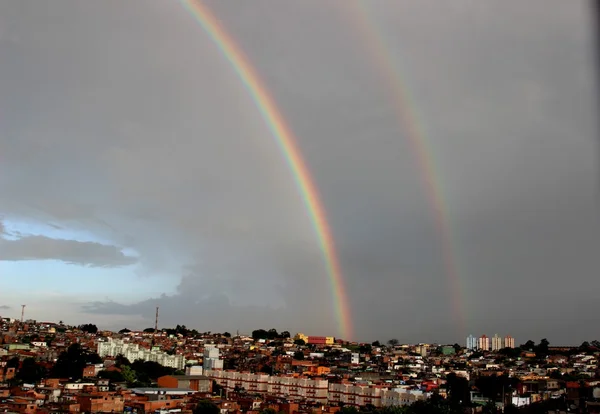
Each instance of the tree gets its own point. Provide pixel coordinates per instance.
(268, 411)
(272, 334)
(30, 372)
(458, 388)
(206, 407)
(393, 342)
(376, 343)
(299, 355)
(542, 348)
(365, 349)
(113, 376)
(299, 342)
(529, 345)
(259, 334)
(14, 362)
(89, 328)
(71, 362)
(121, 360)
(284, 335)
(226, 334)
(149, 330)
(128, 374)
(124, 331)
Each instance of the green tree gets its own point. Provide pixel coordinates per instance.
(393, 342)
(299, 342)
(71, 362)
(113, 376)
(31, 372)
(529, 345)
(299, 355)
(13, 363)
(542, 347)
(226, 334)
(458, 389)
(376, 343)
(206, 407)
(128, 374)
(268, 411)
(259, 334)
(124, 331)
(89, 328)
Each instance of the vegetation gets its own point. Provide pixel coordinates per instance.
(206, 407)
(89, 328)
(70, 363)
(270, 334)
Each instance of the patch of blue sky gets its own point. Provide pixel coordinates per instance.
(93, 283)
(16, 229)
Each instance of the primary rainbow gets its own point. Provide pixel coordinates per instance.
(287, 145)
(406, 109)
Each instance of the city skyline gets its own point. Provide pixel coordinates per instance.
(409, 170)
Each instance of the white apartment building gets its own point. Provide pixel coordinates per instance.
(399, 396)
(314, 390)
(286, 387)
(471, 342)
(354, 394)
(496, 343)
(133, 352)
(212, 359)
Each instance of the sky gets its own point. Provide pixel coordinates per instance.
(136, 171)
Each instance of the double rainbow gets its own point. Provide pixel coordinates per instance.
(289, 149)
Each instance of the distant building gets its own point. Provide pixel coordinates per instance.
(212, 359)
(132, 352)
(496, 343)
(509, 342)
(315, 340)
(197, 383)
(471, 342)
(484, 343)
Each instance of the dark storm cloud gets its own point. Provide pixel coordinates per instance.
(127, 122)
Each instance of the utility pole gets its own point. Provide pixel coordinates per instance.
(22, 312)
(156, 322)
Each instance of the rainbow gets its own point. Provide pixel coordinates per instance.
(406, 108)
(287, 145)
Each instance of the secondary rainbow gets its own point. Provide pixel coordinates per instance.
(406, 109)
(287, 145)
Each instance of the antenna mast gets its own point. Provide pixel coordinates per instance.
(156, 322)
(22, 312)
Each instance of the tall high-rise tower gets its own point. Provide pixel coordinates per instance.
(22, 312)
(496, 343)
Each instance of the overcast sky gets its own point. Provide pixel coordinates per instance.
(137, 172)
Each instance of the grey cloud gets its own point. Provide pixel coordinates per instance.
(127, 123)
(4, 307)
(69, 251)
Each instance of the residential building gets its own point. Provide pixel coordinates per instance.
(509, 342)
(198, 383)
(471, 342)
(484, 343)
(114, 347)
(212, 359)
(496, 343)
